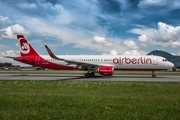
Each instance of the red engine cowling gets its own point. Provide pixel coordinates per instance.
(106, 70)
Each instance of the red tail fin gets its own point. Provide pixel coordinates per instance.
(25, 47)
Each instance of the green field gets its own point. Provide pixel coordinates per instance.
(77, 100)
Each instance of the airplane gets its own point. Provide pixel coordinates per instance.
(103, 64)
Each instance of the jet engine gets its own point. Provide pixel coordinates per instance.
(106, 70)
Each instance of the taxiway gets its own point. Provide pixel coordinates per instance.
(62, 77)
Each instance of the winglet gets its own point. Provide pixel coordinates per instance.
(52, 55)
(69, 62)
(50, 52)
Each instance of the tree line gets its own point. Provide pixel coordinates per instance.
(8, 64)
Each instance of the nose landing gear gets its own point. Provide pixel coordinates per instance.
(153, 74)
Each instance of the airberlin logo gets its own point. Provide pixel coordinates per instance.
(126, 60)
(24, 46)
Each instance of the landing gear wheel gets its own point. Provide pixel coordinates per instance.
(87, 75)
(92, 74)
(154, 76)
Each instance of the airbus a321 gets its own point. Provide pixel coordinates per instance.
(103, 64)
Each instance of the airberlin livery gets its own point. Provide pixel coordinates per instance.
(102, 64)
(126, 60)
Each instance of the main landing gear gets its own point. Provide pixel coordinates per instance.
(153, 75)
(88, 75)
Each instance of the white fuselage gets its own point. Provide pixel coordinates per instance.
(121, 62)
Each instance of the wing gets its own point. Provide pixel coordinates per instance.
(69, 62)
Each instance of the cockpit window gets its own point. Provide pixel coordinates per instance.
(164, 60)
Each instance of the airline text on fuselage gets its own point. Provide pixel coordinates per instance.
(126, 60)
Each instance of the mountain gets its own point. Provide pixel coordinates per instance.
(172, 58)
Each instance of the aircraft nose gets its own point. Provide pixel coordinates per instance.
(171, 65)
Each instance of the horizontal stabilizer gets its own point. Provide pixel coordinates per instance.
(17, 58)
(10, 57)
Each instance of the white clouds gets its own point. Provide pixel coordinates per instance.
(27, 6)
(4, 21)
(165, 35)
(142, 30)
(8, 60)
(143, 39)
(132, 52)
(130, 45)
(11, 31)
(113, 52)
(9, 52)
(131, 48)
(172, 44)
(120, 46)
(154, 3)
(101, 41)
(103, 44)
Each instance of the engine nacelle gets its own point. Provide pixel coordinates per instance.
(106, 70)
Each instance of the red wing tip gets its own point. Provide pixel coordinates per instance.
(20, 36)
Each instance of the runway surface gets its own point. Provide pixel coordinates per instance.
(64, 77)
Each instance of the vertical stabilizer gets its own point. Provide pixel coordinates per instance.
(25, 47)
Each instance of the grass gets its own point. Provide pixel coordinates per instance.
(67, 100)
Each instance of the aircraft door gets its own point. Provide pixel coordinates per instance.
(37, 60)
(78, 59)
(155, 61)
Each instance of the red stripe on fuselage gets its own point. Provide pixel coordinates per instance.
(40, 62)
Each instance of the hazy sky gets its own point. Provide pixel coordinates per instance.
(91, 26)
